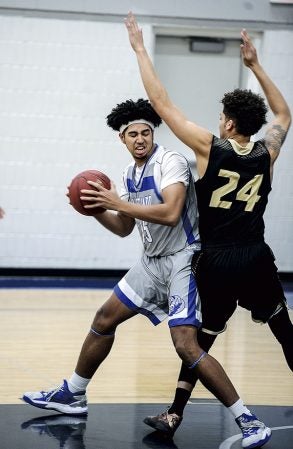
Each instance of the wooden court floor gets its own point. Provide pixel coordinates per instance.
(41, 334)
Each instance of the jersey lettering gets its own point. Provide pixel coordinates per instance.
(145, 201)
(248, 193)
(146, 235)
(145, 231)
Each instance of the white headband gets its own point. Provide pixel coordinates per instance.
(123, 127)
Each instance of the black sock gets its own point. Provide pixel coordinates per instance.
(180, 401)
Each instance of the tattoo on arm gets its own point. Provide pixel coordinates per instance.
(275, 137)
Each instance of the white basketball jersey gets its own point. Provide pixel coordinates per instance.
(162, 240)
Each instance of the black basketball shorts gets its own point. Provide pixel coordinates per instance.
(240, 275)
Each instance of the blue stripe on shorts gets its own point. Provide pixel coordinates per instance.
(194, 315)
(128, 303)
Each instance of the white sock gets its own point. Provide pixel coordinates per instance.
(77, 383)
(238, 408)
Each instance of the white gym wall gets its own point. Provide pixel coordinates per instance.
(61, 74)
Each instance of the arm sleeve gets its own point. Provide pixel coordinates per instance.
(123, 191)
(175, 169)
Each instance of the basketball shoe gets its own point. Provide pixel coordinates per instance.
(61, 399)
(255, 433)
(165, 422)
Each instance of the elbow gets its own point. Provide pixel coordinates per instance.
(286, 123)
(172, 221)
(286, 118)
(123, 233)
(159, 102)
(156, 102)
(289, 118)
(126, 230)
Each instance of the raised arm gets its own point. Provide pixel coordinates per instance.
(278, 128)
(192, 135)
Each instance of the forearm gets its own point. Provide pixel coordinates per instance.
(273, 95)
(154, 88)
(157, 213)
(115, 223)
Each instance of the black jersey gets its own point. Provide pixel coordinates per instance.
(233, 194)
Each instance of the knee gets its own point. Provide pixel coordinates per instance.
(186, 347)
(103, 323)
(181, 348)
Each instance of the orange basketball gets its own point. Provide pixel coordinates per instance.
(79, 182)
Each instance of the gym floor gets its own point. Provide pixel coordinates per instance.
(119, 426)
(120, 399)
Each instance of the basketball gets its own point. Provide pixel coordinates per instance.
(79, 182)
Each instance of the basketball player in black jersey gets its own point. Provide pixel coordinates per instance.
(235, 265)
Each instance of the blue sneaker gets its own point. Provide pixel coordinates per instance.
(60, 399)
(255, 433)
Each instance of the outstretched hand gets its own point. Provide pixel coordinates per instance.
(248, 51)
(134, 32)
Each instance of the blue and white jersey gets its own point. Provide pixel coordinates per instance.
(144, 185)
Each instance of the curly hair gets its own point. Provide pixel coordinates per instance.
(129, 111)
(247, 109)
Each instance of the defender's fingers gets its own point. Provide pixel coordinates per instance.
(245, 37)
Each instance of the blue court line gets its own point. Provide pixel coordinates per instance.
(57, 282)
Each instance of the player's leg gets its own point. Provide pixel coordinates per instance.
(217, 299)
(213, 377)
(187, 379)
(215, 313)
(282, 328)
(70, 396)
(169, 420)
(207, 368)
(270, 306)
(279, 322)
(183, 329)
(135, 293)
(100, 338)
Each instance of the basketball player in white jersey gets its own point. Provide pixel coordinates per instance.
(158, 195)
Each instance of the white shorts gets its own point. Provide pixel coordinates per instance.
(163, 287)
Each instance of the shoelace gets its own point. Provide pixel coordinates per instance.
(249, 427)
(49, 394)
(164, 415)
(173, 420)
